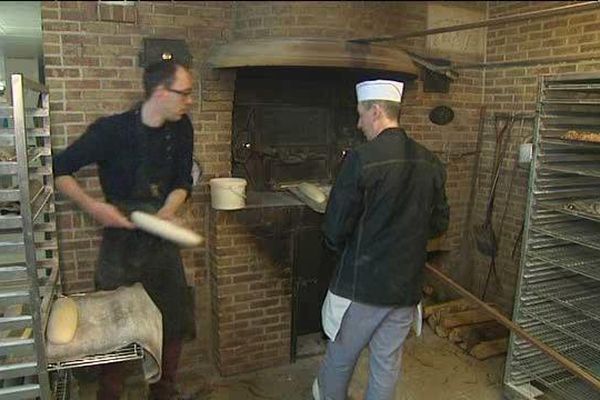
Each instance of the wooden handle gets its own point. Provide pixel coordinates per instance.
(568, 364)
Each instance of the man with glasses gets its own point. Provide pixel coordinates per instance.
(144, 159)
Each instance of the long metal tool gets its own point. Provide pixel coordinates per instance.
(568, 364)
(561, 10)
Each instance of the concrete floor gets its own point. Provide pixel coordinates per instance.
(433, 369)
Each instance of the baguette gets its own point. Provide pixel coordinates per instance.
(165, 229)
(312, 192)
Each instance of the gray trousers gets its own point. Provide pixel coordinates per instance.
(384, 330)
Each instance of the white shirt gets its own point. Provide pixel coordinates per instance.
(332, 313)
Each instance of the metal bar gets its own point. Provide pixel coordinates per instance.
(16, 345)
(131, 352)
(14, 297)
(33, 85)
(31, 132)
(17, 370)
(571, 366)
(42, 205)
(529, 61)
(28, 228)
(50, 289)
(35, 196)
(31, 112)
(13, 272)
(567, 9)
(9, 195)
(22, 321)
(29, 391)
(8, 167)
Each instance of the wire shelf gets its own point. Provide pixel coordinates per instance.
(564, 181)
(60, 388)
(549, 336)
(566, 207)
(574, 87)
(538, 363)
(128, 353)
(569, 143)
(585, 169)
(586, 233)
(576, 293)
(574, 258)
(563, 384)
(573, 324)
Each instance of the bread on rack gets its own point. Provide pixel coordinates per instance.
(582, 136)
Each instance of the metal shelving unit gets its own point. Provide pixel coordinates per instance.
(558, 289)
(29, 275)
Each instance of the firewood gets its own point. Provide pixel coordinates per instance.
(441, 331)
(468, 317)
(489, 348)
(477, 332)
(453, 305)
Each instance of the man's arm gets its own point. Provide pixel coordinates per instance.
(87, 149)
(182, 185)
(106, 214)
(344, 205)
(174, 200)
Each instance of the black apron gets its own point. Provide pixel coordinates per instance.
(130, 256)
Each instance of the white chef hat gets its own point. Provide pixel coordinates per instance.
(379, 90)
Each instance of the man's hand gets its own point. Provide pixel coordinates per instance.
(168, 216)
(169, 210)
(109, 215)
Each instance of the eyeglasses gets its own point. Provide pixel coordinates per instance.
(184, 93)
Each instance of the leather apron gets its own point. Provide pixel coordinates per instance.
(130, 256)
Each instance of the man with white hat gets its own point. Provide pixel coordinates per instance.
(387, 201)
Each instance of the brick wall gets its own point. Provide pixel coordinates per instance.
(514, 89)
(251, 285)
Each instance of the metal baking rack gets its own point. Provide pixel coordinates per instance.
(559, 277)
(29, 276)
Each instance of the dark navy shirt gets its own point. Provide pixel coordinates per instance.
(113, 143)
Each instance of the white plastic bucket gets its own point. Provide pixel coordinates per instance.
(228, 193)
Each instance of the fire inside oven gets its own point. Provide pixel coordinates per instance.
(292, 125)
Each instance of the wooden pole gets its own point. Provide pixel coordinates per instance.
(568, 364)
(551, 12)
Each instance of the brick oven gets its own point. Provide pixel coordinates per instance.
(269, 268)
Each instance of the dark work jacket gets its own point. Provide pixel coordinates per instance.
(387, 201)
(114, 144)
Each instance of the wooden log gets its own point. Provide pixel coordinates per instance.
(453, 305)
(489, 348)
(468, 317)
(477, 332)
(441, 331)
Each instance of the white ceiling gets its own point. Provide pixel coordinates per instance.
(20, 29)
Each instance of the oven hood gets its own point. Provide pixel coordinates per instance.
(294, 52)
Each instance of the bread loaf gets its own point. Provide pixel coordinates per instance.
(165, 229)
(62, 323)
(312, 192)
